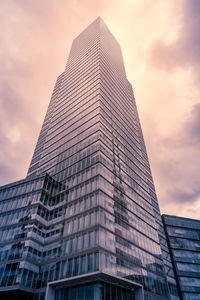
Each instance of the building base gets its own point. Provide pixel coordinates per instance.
(16, 293)
(94, 286)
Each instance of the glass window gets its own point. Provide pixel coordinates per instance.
(76, 266)
(72, 293)
(90, 262)
(80, 294)
(75, 225)
(80, 242)
(96, 262)
(188, 281)
(69, 267)
(114, 292)
(83, 263)
(85, 240)
(92, 239)
(89, 291)
(86, 217)
(97, 291)
(107, 290)
(190, 296)
(186, 254)
(63, 269)
(92, 218)
(188, 267)
(96, 237)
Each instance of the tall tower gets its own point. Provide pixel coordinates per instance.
(100, 196)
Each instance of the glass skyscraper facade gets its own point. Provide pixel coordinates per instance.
(85, 223)
(183, 237)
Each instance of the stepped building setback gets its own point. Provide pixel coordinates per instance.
(85, 222)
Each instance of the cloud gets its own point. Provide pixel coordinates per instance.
(187, 146)
(175, 121)
(184, 51)
(184, 195)
(175, 162)
(192, 127)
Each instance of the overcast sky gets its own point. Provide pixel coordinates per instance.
(160, 43)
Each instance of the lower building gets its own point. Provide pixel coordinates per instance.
(31, 218)
(183, 237)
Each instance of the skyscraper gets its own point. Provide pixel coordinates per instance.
(85, 223)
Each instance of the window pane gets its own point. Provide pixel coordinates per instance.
(89, 292)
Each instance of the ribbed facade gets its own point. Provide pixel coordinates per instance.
(183, 236)
(91, 143)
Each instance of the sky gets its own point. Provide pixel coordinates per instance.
(160, 43)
